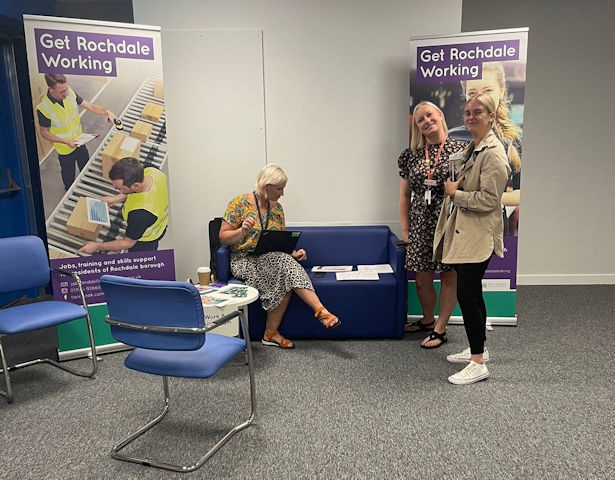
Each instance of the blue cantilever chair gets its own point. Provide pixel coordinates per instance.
(165, 323)
(24, 266)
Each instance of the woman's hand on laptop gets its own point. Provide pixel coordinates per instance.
(299, 255)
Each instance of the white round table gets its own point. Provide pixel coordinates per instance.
(233, 296)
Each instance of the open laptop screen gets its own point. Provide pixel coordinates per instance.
(276, 241)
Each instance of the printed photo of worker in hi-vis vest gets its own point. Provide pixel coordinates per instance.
(145, 198)
(59, 122)
(98, 105)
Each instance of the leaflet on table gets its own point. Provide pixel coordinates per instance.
(357, 275)
(236, 291)
(332, 268)
(212, 296)
(206, 289)
(226, 291)
(215, 300)
(378, 268)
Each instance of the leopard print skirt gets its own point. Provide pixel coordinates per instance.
(273, 274)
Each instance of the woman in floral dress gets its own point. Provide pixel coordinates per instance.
(276, 275)
(423, 168)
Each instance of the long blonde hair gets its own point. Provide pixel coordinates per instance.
(417, 141)
(505, 128)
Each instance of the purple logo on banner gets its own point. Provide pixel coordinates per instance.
(447, 63)
(84, 53)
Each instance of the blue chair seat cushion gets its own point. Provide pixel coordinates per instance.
(35, 316)
(201, 363)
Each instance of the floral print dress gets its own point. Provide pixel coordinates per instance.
(273, 274)
(423, 216)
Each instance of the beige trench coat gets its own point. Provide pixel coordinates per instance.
(474, 229)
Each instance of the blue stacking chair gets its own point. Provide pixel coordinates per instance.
(24, 266)
(165, 323)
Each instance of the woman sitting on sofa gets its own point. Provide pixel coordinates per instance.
(274, 274)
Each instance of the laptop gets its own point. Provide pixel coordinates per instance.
(276, 241)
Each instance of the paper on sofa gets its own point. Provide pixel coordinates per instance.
(332, 268)
(357, 275)
(379, 268)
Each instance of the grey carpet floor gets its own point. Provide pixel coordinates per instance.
(348, 409)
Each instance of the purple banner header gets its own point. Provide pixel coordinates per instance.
(447, 63)
(85, 53)
(152, 265)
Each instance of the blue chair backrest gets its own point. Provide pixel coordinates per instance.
(154, 303)
(23, 263)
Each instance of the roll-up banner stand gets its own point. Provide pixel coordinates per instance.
(447, 70)
(83, 74)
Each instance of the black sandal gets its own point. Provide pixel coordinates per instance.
(421, 327)
(436, 336)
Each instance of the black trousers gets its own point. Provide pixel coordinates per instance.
(79, 156)
(472, 303)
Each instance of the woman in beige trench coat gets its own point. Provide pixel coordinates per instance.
(470, 228)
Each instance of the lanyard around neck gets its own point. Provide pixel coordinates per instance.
(430, 168)
(260, 216)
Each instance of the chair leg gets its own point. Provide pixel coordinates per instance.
(8, 394)
(88, 373)
(94, 368)
(144, 461)
(115, 453)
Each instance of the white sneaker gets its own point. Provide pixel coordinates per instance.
(464, 357)
(473, 372)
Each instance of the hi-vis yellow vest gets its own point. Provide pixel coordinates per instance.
(155, 201)
(65, 121)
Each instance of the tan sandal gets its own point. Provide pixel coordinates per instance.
(269, 340)
(328, 320)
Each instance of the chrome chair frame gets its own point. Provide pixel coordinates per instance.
(6, 369)
(150, 462)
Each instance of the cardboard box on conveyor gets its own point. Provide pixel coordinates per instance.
(78, 224)
(119, 146)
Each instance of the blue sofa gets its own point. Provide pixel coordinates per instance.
(367, 308)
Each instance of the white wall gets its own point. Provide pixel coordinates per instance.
(214, 96)
(335, 105)
(567, 224)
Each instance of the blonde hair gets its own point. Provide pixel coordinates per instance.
(417, 140)
(485, 100)
(505, 128)
(271, 174)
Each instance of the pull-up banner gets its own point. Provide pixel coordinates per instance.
(447, 70)
(98, 103)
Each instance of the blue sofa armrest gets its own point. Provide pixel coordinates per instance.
(223, 264)
(397, 255)
(397, 259)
